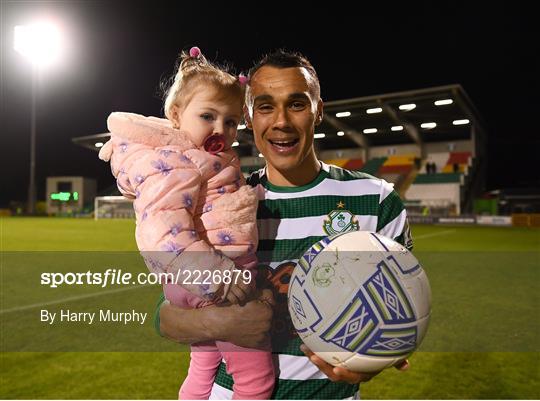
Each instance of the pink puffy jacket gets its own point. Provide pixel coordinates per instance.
(191, 206)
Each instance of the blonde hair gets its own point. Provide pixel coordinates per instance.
(194, 72)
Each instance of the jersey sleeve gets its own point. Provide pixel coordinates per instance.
(392, 221)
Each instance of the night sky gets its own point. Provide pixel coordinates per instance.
(119, 52)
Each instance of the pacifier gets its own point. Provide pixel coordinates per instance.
(214, 143)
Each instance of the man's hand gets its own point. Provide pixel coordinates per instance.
(246, 326)
(240, 292)
(337, 374)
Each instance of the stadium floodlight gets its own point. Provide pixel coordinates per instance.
(370, 130)
(343, 114)
(98, 144)
(319, 135)
(407, 107)
(460, 122)
(374, 110)
(41, 44)
(242, 126)
(443, 102)
(429, 125)
(340, 133)
(397, 128)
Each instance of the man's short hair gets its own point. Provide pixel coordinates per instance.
(284, 59)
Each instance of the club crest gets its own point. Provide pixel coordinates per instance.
(340, 221)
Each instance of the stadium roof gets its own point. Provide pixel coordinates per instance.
(436, 114)
(402, 117)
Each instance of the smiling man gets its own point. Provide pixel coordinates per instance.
(284, 106)
(300, 199)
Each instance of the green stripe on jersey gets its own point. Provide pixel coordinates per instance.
(278, 250)
(366, 205)
(389, 209)
(316, 389)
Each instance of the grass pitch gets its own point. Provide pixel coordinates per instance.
(482, 342)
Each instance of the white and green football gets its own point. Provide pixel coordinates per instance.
(360, 300)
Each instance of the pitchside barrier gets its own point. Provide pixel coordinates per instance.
(119, 207)
(516, 220)
(526, 219)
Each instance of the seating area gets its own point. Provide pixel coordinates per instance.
(393, 169)
(400, 165)
(445, 184)
(459, 161)
(372, 166)
(349, 164)
(448, 162)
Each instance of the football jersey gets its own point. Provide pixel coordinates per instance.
(292, 219)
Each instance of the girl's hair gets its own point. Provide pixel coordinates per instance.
(194, 71)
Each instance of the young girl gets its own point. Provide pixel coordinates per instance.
(191, 204)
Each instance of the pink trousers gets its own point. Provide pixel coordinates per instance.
(252, 369)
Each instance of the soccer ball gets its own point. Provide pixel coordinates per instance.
(360, 300)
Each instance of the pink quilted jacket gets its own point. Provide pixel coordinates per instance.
(193, 209)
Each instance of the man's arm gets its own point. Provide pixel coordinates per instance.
(246, 326)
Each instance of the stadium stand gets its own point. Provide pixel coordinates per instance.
(395, 136)
(372, 166)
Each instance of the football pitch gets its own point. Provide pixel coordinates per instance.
(483, 341)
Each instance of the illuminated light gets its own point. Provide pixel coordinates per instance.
(461, 122)
(41, 43)
(428, 125)
(75, 196)
(261, 155)
(374, 110)
(242, 126)
(340, 133)
(397, 128)
(98, 144)
(343, 114)
(407, 107)
(235, 143)
(369, 130)
(319, 136)
(443, 102)
(61, 196)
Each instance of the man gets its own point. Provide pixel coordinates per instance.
(300, 196)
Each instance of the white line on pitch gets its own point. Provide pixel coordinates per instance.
(59, 301)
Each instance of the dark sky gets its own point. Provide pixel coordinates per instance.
(120, 51)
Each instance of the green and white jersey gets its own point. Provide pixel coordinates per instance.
(290, 220)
